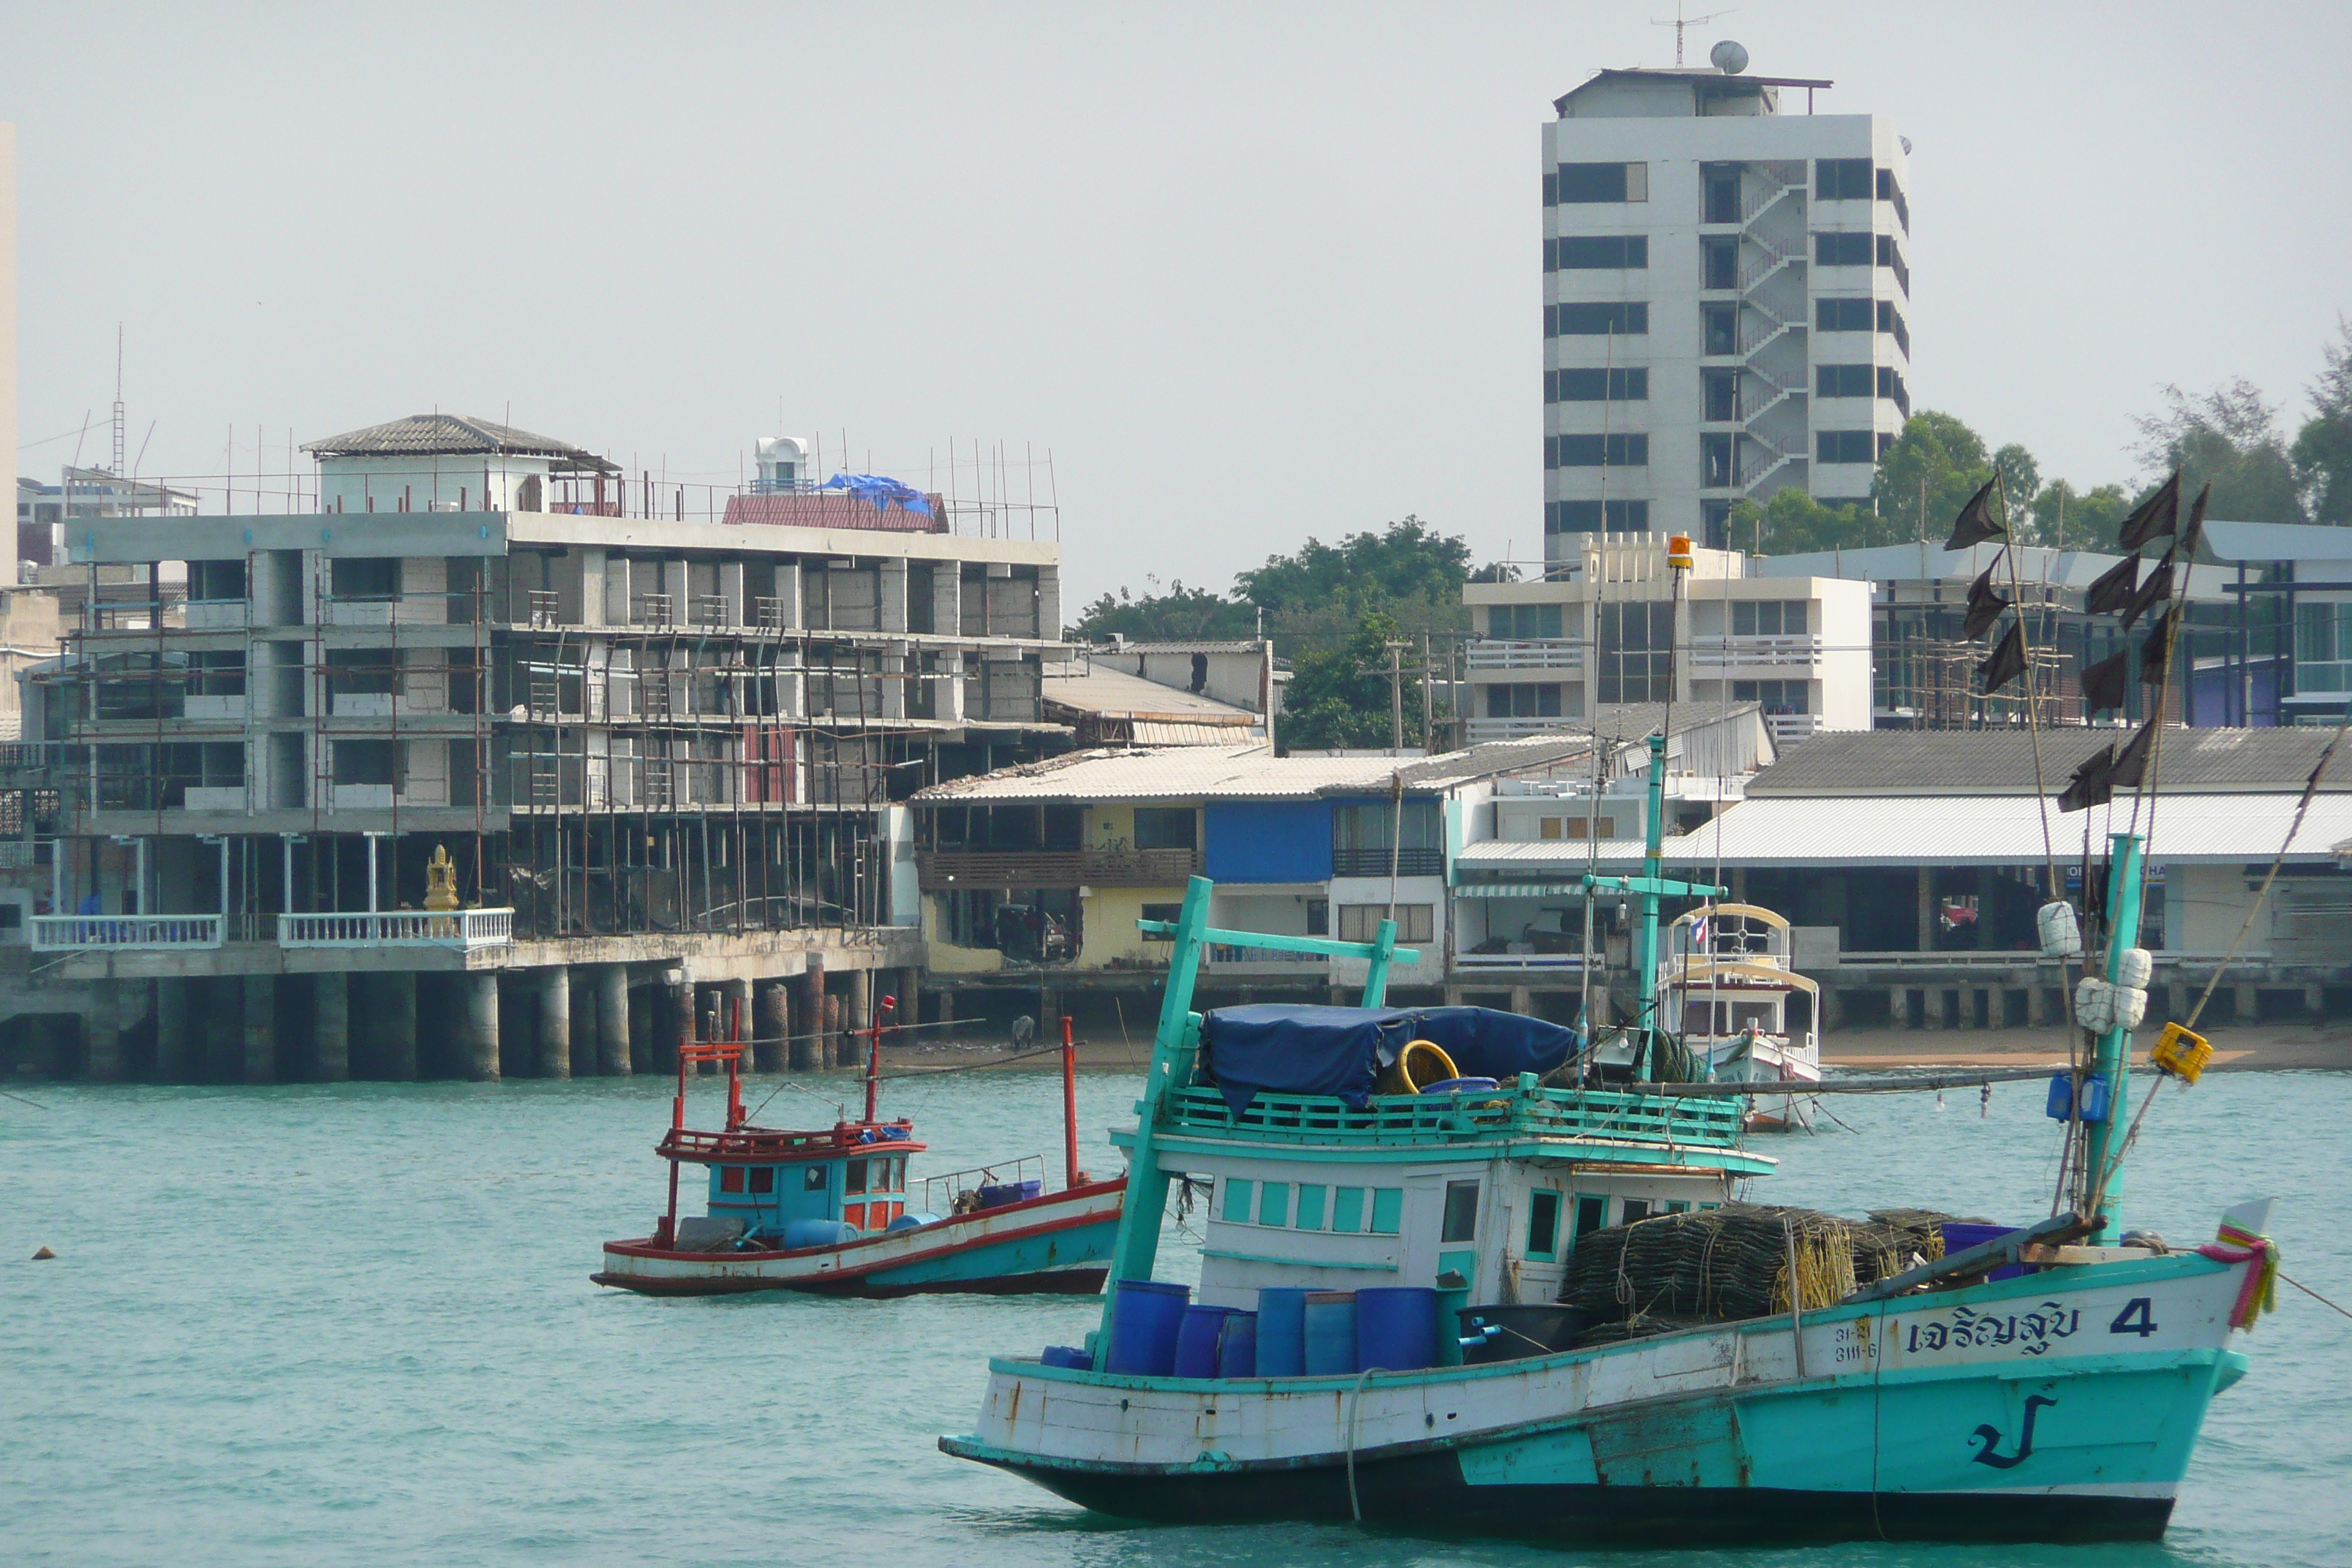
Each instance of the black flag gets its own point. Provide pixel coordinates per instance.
(2104, 682)
(2091, 784)
(2155, 589)
(2153, 648)
(2006, 662)
(1985, 605)
(2194, 529)
(2113, 591)
(2153, 518)
(2131, 762)
(1975, 523)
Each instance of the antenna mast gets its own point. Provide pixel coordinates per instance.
(1679, 22)
(117, 469)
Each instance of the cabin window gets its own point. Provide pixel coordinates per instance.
(1310, 1206)
(812, 1179)
(730, 1178)
(1636, 1211)
(899, 1174)
(1678, 1208)
(1591, 1215)
(853, 1177)
(1274, 1203)
(763, 1178)
(1348, 1209)
(1543, 1226)
(1238, 1200)
(1388, 1210)
(1461, 1212)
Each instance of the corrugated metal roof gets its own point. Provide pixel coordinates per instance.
(1185, 772)
(2001, 762)
(1946, 830)
(1930, 563)
(452, 436)
(1231, 645)
(1100, 689)
(2268, 541)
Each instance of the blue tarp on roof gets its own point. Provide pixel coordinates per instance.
(1274, 1047)
(884, 492)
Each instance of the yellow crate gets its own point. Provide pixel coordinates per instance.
(2182, 1054)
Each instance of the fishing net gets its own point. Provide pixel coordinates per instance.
(1734, 1261)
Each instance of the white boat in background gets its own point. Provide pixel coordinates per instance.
(1724, 985)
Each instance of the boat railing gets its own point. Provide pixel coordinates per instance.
(940, 1193)
(1401, 1119)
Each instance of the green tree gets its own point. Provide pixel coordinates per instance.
(2020, 477)
(2230, 438)
(2070, 518)
(1937, 458)
(1178, 614)
(1409, 559)
(1338, 696)
(1792, 523)
(2322, 453)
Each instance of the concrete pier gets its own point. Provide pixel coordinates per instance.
(258, 1012)
(812, 1018)
(478, 1037)
(101, 1057)
(770, 1023)
(613, 1020)
(585, 1047)
(223, 1016)
(177, 1059)
(397, 999)
(641, 1026)
(678, 1027)
(331, 1028)
(836, 1013)
(735, 1012)
(857, 1014)
(555, 1022)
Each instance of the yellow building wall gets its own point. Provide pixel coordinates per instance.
(946, 959)
(1110, 933)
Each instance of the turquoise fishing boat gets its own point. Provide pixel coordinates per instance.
(1528, 1302)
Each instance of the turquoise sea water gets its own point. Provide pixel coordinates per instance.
(352, 1324)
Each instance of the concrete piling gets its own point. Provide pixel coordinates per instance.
(770, 1023)
(396, 1003)
(258, 1013)
(587, 1048)
(858, 1015)
(555, 1023)
(223, 1015)
(478, 1038)
(101, 1036)
(814, 1017)
(613, 1039)
(176, 1058)
(677, 1027)
(835, 1013)
(641, 1025)
(331, 1028)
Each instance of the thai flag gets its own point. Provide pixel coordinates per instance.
(1698, 934)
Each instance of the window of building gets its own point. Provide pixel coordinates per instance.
(360, 578)
(1718, 193)
(1888, 191)
(1715, 523)
(1718, 321)
(1318, 917)
(1543, 1226)
(1637, 651)
(1890, 321)
(1891, 387)
(1523, 622)
(1718, 261)
(1361, 836)
(1841, 250)
(1845, 380)
(1165, 828)
(1843, 179)
(1843, 315)
(1575, 182)
(1768, 617)
(1167, 912)
(1599, 451)
(210, 580)
(1585, 516)
(1718, 459)
(1598, 319)
(1524, 700)
(1720, 389)
(1597, 252)
(1845, 446)
(1890, 256)
(1631, 386)
(1362, 923)
(1461, 1221)
(367, 762)
(1776, 696)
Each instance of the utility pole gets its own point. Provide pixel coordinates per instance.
(1395, 673)
(1428, 699)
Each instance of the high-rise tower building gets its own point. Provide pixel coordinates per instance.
(1725, 288)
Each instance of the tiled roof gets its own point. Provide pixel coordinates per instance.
(831, 509)
(453, 435)
(2001, 762)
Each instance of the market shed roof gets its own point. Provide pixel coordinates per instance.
(456, 436)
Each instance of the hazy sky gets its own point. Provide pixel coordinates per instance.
(1250, 273)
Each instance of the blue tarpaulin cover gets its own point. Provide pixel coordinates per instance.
(883, 491)
(1281, 1049)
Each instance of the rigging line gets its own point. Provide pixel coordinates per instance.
(2033, 728)
(2312, 1293)
(22, 1100)
(2176, 610)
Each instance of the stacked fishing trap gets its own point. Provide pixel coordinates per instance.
(1735, 1261)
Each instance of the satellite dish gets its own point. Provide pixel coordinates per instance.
(1906, 145)
(1728, 57)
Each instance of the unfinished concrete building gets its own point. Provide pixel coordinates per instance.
(483, 764)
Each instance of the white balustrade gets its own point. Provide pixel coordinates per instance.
(116, 934)
(462, 929)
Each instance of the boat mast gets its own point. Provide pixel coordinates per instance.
(2102, 1176)
(1652, 886)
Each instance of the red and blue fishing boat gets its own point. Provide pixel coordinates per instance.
(836, 1209)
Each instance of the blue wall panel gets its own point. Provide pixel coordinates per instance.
(1269, 840)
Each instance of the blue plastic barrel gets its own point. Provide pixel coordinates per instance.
(914, 1221)
(1066, 1355)
(1959, 1236)
(1396, 1327)
(1144, 1316)
(1281, 1330)
(1237, 1346)
(799, 1233)
(1460, 1085)
(1196, 1340)
(1329, 1321)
